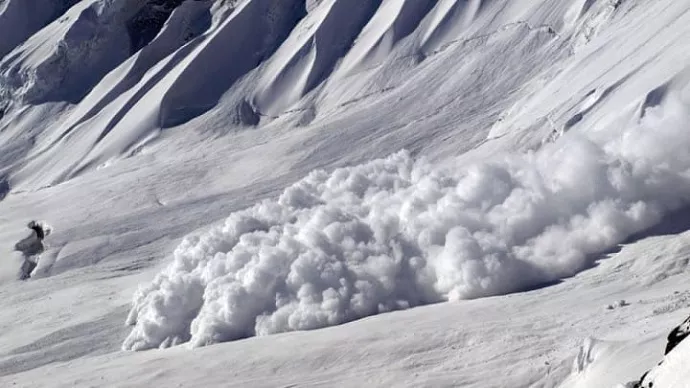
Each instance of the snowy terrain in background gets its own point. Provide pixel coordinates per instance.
(462, 173)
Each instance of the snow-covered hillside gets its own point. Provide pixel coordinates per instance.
(500, 187)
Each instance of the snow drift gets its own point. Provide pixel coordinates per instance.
(672, 371)
(398, 232)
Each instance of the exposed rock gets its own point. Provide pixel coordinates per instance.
(150, 19)
(678, 334)
(4, 188)
(617, 304)
(246, 114)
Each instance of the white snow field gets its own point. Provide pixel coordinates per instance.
(345, 193)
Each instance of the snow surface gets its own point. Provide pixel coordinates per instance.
(673, 371)
(265, 166)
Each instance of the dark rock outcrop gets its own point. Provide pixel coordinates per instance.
(677, 335)
(146, 24)
(4, 187)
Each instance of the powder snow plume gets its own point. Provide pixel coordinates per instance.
(397, 232)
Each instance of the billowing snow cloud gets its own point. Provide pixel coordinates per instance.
(397, 232)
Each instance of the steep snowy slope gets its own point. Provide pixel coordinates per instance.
(672, 370)
(21, 19)
(538, 136)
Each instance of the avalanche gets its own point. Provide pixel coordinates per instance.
(396, 233)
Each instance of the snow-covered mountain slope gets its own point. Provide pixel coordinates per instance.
(537, 136)
(672, 370)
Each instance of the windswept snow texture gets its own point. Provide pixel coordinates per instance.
(398, 232)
